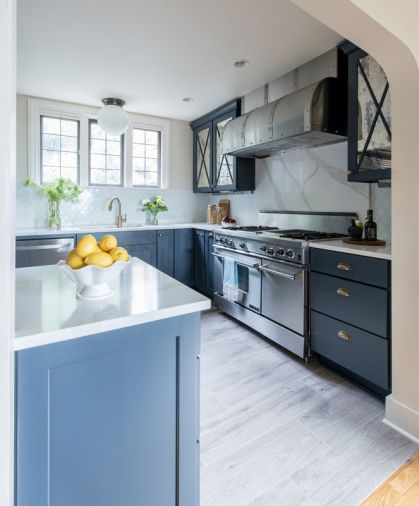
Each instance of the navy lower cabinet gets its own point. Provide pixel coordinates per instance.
(204, 262)
(111, 419)
(141, 243)
(350, 316)
(184, 255)
(165, 251)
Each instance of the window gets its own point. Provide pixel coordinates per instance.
(60, 142)
(64, 140)
(146, 157)
(105, 157)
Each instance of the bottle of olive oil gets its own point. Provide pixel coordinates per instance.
(370, 227)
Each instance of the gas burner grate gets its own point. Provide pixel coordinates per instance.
(308, 235)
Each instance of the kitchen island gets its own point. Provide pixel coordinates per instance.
(107, 392)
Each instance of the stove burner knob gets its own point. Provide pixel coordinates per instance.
(242, 245)
(281, 252)
(229, 243)
(271, 251)
(263, 248)
(290, 253)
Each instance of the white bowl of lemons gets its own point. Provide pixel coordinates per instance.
(94, 265)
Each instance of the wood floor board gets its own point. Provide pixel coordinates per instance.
(277, 432)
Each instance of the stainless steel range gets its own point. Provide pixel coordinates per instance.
(261, 272)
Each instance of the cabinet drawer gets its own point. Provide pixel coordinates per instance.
(361, 305)
(372, 271)
(356, 350)
(127, 238)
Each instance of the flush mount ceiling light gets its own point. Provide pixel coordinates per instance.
(187, 99)
(112, 119)
(239, 64)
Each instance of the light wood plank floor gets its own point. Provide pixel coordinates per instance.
(401, 489)
(278, 432)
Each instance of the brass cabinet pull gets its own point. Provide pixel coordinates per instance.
(344, 335)
(343, 266)
(343, 292)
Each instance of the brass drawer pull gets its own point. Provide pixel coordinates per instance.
(343, 266)
(344, 335)
(343, 292)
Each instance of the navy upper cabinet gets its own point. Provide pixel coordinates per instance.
(213, 171)
(369, 118)
(165, 251)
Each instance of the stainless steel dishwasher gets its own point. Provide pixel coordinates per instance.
(32, 252)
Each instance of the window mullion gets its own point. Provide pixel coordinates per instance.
(84, 151)
(128, 158)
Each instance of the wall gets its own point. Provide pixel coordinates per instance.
(7, 182)
(184, 206)
(387, 31)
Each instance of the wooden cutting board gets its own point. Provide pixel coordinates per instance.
(364, 242)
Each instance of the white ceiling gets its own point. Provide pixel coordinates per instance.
(153, 53)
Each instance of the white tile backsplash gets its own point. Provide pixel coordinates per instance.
(92, 208)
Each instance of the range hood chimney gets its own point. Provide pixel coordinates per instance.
(312, 114)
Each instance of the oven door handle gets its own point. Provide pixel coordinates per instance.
(278, 273)
(251, 266)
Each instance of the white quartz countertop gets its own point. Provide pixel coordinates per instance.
(383, 252)
(47, 310)
(84, 229)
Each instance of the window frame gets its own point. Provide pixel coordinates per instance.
(159, 157)
(122, 157)
(43, 107)
(41, 144)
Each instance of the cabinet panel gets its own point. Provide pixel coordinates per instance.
(184, 256)
(165, 251)
(96, 420)
(356, 350)
(199, 260)
(361, 305)
(209, 263)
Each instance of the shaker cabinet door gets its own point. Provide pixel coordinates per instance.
(165, 246)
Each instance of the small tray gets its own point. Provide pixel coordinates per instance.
(365, 242)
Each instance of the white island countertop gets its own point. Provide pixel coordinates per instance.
(47, 310)
(383, 252)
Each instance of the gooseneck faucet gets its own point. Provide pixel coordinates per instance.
(119, 219)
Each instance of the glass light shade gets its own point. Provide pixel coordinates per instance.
(113, 120)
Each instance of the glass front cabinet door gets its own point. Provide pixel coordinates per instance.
(203, 158)
(369, 119)
(214, 171)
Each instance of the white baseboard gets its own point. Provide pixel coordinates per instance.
(402, 418)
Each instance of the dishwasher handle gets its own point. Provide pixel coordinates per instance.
(68, 245)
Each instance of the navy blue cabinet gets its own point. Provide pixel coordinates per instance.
(141, 243)
(350, 316)
(184, 255)
(213, 171)
(165, 251)
(111, 419)
(204, 262)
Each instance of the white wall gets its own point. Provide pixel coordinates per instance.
(387, 30)
(7, 183)
(180, 166)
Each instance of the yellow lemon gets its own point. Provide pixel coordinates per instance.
(74, 260)
(101, 259)
(86, 245)
(108, 242)
(119, 254)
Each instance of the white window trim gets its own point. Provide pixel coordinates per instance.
(41, 107)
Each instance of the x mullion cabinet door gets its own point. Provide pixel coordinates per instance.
(202, 147)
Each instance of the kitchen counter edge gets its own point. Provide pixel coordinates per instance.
(382, 252)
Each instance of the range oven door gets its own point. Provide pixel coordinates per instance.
(284, 295)
(248, 277)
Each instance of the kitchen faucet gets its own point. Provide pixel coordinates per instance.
(120, 219)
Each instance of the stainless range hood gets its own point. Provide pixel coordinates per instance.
(312, 116)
